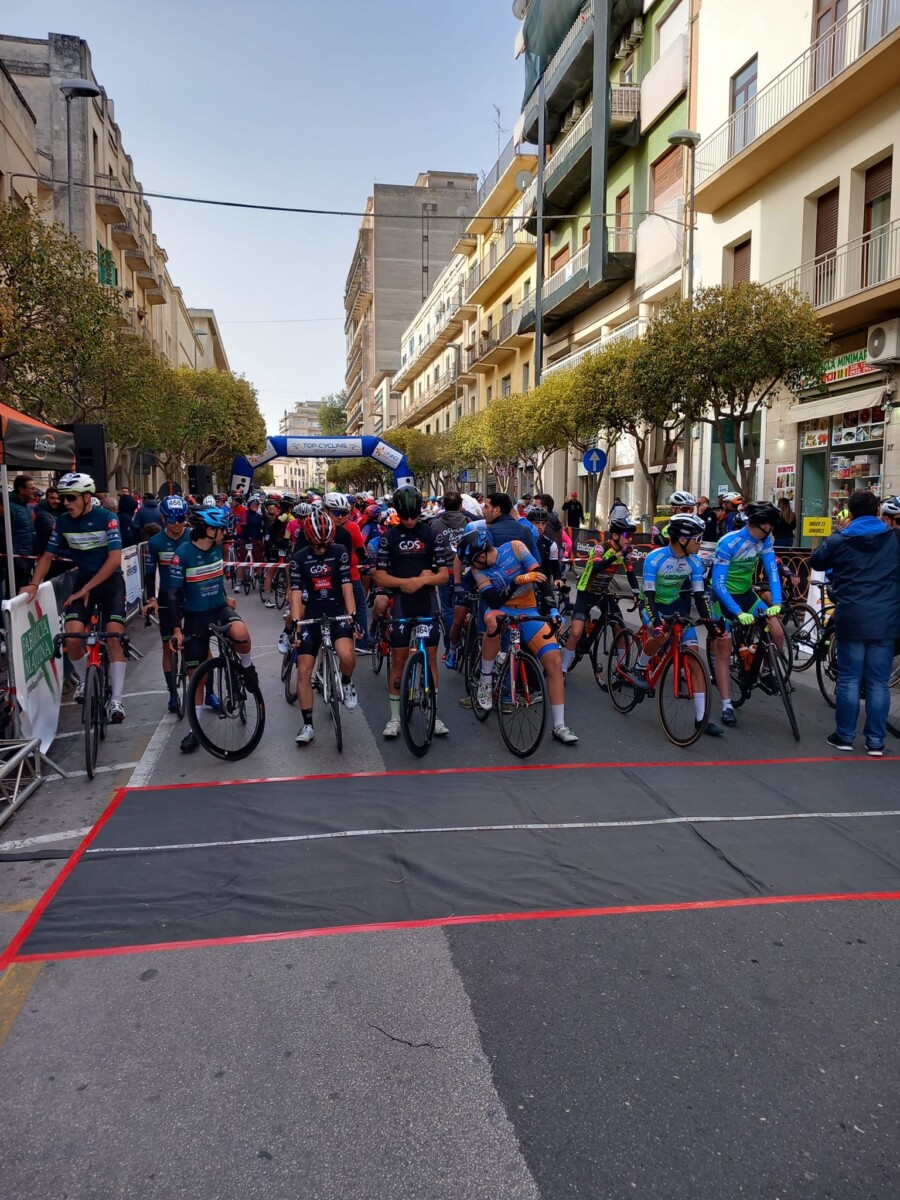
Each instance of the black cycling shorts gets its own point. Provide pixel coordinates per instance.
(585, 601)
(278, 553)
(311, 635)
(196, 632)
(401, 634)
(109, 596)
(166, 622)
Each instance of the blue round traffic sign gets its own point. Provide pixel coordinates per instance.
(594, 461)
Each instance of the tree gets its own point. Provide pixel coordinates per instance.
(728, 354)
(333, 414)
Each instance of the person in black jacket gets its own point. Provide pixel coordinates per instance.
(864, 561)
(45, 515)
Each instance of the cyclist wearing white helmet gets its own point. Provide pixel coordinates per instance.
(890, 512)
(349, 535)
(91, 537)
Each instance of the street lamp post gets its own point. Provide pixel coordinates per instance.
(690, 139)
(71, 88)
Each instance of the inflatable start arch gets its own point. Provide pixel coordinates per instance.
(320, 447)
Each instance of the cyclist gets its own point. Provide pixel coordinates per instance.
(254, 535)
(506, 577)
(680, 503)
(664, 595)
(737, 556)
(91, 537)
(890, 512)
(548, 553)
(592, 589)
(161, 549)
(732, 502)
(349, 535)
(277, 545)
(321, 587)
(197, 599)
(409, 566)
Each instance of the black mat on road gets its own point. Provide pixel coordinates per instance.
(141, 897)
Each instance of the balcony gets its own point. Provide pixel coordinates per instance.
(858, 284)
(449, 316)
(108, 200)
(506, 256)
(567, 71)
(123, 235)
(466, 241)
(659, 245)
(624, 106)
(146, 279)
(354, 415)
(842, 73)
(155, 295)
(631, 329)
(569, 291)
(498, 191)
(137, 260)
(430, 400)
(665, 81)
(567, 172)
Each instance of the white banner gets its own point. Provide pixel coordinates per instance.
(387, 455)
(37, 674)
(310, 447)
(131, 568)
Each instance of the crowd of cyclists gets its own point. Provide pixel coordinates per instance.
(407, 557)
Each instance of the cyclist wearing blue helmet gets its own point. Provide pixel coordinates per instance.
(161, 549)
(198, 600)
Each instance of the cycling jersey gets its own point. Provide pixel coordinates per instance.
(350, 538)
(320, 579)
(602, 564)
(199, 576)
(513, 559)
(406, 554)
(734, 571)
(665, 574)
(87, 539)
(161, 549)
(254, 526)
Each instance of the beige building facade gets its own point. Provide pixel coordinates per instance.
(299, 474)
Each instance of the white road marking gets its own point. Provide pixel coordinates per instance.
(125, 696)
(151, 756)
(42, 838)
(97, 771)
(531, 827)
(79, 733)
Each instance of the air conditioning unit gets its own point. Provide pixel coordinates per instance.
(883, 344)
(498, 226)
(634, 35)
(623, 49)
(577, 110)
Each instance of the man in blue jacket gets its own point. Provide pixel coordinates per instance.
(864, 561)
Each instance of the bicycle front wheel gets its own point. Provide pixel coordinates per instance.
(522, 707)
(801, 624)
(607, 633)
(779, 678)
(93, 704)
(279, 587)
(473, 676)
(179, 674)
(377, 652)
(677, 698)
(289, 675)
(621, 661)
(418, 711)
(331, 690)
(233, 730)
(826, 665)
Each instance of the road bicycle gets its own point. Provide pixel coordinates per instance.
(468, 638)
(248, 575)
(518, 690)
(279, 581)
(328, 670)
(231, 562)
(801, 623)
(418, 693)
(97, 689)
(597, 636)
(181, 677)
(675, 675)
(379, 637)
(756, 662)
(233, 729)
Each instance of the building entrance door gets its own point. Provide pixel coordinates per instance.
(813, 492)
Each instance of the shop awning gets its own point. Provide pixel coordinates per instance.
(832, 406)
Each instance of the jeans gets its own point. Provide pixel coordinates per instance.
(869, 664)
(362, 614)
(445, 595)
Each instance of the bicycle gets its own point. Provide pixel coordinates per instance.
(97, 689)
(757, 662)
(672, 674)
(418, 702)
(180, 674)
(518, 690)
(279, 584)
(597, 636)
(380, 643)
(329, 671)
(233, 730)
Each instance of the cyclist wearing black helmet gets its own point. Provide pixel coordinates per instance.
(410, 566)
(602, 564)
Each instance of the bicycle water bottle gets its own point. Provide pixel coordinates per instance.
(747, 654)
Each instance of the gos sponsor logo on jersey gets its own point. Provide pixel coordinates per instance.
(413, 546)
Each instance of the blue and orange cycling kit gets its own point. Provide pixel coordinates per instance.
(498, 582)
(665, 577)
(734, 572)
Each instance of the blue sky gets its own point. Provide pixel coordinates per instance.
(302, 103)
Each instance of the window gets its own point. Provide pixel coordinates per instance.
(507, 306)
(526, 376)
(876, 215)
(560, 259)
(107, 272)
(586, 235)
(826, 245)
(96, 153)
(830, 34)
(428, 428)
(626, 75)
(741, 267)
(743, 109)
(506, 385)
(623, 220)
(882, 17)
(670, 28)
(447, 421)
(526, 289)
(666, 180)
(490, 394)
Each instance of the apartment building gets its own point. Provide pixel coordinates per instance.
(615, 86)
(406, 238)
(799, 171)
(18, 141)
(299, 474)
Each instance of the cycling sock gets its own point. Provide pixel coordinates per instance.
(117, 679)
(699, 705)
(395, 707)
(79, 666)
(246, 660)
(169, 677)
(642, 660)
(345, 679)
(487, 666)
(726, 705)
(559, 714)
(568, 657)
(307, 716)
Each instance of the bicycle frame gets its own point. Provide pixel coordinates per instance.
(670, 649)
(421, 630)
(326, 649)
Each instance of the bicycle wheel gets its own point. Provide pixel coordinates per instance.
(377, 655)
(332, 693)
(739, 690)
(826, 665)
(279, 587)
(621, 660)
(93, 703)
(464, 657)
(607, 632)
(473, 675)
(179, 673)
(417, 704)
(776, 666)
(675, 698)
(893, 719)
(522, 710)
(234, 731)
(289, 675)
(247, 581)
(801, 624)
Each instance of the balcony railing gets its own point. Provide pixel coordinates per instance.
(864, 263)
(575, 134)
(493, 177)
(625, 103)
(631, 329)
(833, 53)
(496, 253)
(442, 315)
(424, 398)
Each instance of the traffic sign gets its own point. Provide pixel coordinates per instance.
(594, 461)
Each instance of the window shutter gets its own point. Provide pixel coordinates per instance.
(827, 223)
(741, 273)
(878, 180)
(667, 179)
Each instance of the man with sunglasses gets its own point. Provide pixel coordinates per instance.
(161, 549)
(592, 589)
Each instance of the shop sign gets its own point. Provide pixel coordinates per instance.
(816, 526)
(843, 366)
(785, 480)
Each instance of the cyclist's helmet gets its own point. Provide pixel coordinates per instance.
(622, 525)
(762, 512)
(319, 529)
(891, 507)
(540, 515)
(471, 544)
(682, 500)
(302, 510)
(76, 484)
(407, 500)
(731, 498)
(288, 501)
(740, 520)
(208, 518)
(209, 502)
(337, 502)
(174, 509)
(684, 525)
(373, 512)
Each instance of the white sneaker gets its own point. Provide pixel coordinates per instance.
(79, 694)
(485, 691)
(392, 729)
(270, 603)
(440, 729)
(284, 642)
(350, 697)
(564, 734)
(305, 736)
(115, 712)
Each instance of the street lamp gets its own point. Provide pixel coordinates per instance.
(71, 88)
(690, 139)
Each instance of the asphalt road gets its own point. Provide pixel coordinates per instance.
(674, 1051)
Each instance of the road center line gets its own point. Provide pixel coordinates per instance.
(153, 752)
(43, 838)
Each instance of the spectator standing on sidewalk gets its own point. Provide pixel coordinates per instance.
(864, 561)
(21, 520)
(574, 510)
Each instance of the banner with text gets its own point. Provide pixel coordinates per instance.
(37, 675)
